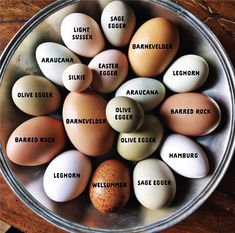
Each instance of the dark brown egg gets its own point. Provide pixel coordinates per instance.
(110, 186)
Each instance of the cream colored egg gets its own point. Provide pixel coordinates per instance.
(118, 23)
(77, 77)
(141, 144)
(82, 34)
(110, 186)
(154, 183)
(124, 114)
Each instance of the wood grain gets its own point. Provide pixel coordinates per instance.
(219, 16)
(217, 214)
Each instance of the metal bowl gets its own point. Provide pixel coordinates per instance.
(79, 215)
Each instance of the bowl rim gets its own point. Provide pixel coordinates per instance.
(187, 209)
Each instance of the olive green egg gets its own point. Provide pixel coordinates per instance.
(36, 95)
(124, 114)
(141, 144)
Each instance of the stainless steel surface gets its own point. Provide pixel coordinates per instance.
(79, 215)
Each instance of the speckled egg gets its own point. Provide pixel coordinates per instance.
(110, 186)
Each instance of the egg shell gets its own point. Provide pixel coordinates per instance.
(82, 34)
(118, 23)
(146, 91)
(153, 47)
(184, 156)
(154, 183)
(86, 124)
(36, 141)
(36, 95)
(109, 69)
(187, 73)
(77, 77)
(67, 176)
(124, 114)
(192, 114)
(110, 186)
(53, 58)
(141, 144)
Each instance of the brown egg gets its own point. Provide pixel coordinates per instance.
(110, 186)
(192, 114)
(36, 141)
(86, 124)
(153, 47)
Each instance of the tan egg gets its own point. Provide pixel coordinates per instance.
(153, 47)
(110, 69)
(82, 34)
(36, 141)
(110, 186)
(192, 114)
(86, 124)
(124, 114)
(36, 95)
(142, 143)
(77, 77)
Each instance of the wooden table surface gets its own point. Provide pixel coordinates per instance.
(217, 214)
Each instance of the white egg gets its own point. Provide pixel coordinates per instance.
(66, 176)
(118, 23)
(154, 183)
(147, 91)
(53, 59)
(187, 73)
(184, 156)
(82, 34)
